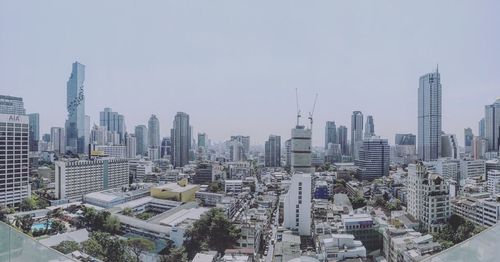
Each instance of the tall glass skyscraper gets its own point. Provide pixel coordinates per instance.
(114, 122)
(330, 133)
(141, 138)
(154, 132)
(75, 104)
(34, 120)
(492, 125)
(342, 139)
(356, 133)
(429, 117)
(369, 127)
(181, 139)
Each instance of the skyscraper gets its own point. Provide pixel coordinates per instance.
(153, 132)
(58, 139)
(14, 167)
(449, 146)
(141, 137)
(342, 139)
(166, 148)
(356, 133)
(492, 125)
(273, 151)
(369, 127)
(113, 121)
(330, 133)
(481, 129)
(181, 139)
(429, 117)
(288, 152)
(34, 120)
(12, 105)
(468, 137)
(202, 140)
(301, 150)
(245, 141)
(131, 145)
(374, 159)
(75, 101)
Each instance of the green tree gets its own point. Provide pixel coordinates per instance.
(128, 212)
(26, 223)
(138, 245)
(67, 247)
(213, 230)
(28, 204)
(57, 227)
(215, 187)
(175, 255)
(93, 248)
(106, 247)
(89, 215)
(112, 225)
(358, 202)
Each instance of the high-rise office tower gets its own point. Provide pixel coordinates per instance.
(301, 150)
(449, 146)
(58, 139)
(492, 125)
(153, 132)
(12, 105)
(181, 139)
(131, 146)
(245, 141)
(273, 151)
(113, 121)
(202, 140)
(429, 117)
(34, 120)
(342, 139)
(14, 167)
(482, 128)
(330, 133)
(288, 152)
(99, 135)
(369, 127)
(468, 137)
(75, 101)
(374, 159)
(356, 133)
(166, 147)
(141, 136)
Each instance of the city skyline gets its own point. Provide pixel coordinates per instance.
(216, 74)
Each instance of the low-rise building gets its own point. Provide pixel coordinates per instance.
(180, 191)
(341, 246)
(481, 211)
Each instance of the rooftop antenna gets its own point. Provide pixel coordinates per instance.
(312, 112)
(298, 110)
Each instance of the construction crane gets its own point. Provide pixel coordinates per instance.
(312, 112)
(298, 110)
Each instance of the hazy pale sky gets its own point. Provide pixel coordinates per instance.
(233, 66)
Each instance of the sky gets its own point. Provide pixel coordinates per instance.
(233, 66)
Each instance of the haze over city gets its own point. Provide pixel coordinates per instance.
(234, 65)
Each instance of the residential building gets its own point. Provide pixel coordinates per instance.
(472, 168)
(75, 123)
(364, 229)
(58, 140)
(338, 247)
(356, 133)
(110, 151)
(373, 159)
(233, 186)
(428, 197)
(429, 117)
(273, 151)
(479, 147)
(181, 139)
(14, 152)
(76, 178)
(481, 211)
(492, 125)
(297, 204)
(493, 181)
(131, 146)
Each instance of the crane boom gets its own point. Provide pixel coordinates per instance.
(312, 111)
(298, 110)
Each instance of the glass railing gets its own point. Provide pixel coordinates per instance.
(18, 247)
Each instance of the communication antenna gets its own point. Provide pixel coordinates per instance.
(298, 110)
(312, 111)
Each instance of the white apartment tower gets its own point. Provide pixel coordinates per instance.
(428, 197)
(297, 206)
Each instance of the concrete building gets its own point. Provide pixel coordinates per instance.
(12, 105)
(493, 182)
(373, 159)
(363, 227)
(75, 103)
(141, 136)
(113, 122)
(288, 153)
(337, 247)
(468, 137)
(405, 149)
(99, 135)
(14, 151)
(330, 133)
(429, 117)
(472, 168)
(75, 178)
(110, 151)
(301, 150)
(481, 211)
(273, 151)
(180, 191)
(482, 128)
(449, 146)
(116, 196)
(245, 141)
(479, 147)
(131, 146)
(428, 197)
(202, 140)
(58, 140)
(181, 139)
(342, 139)
(356, 133)
(492, 125)
(297, 204)
(233, 186)
(153, 132)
